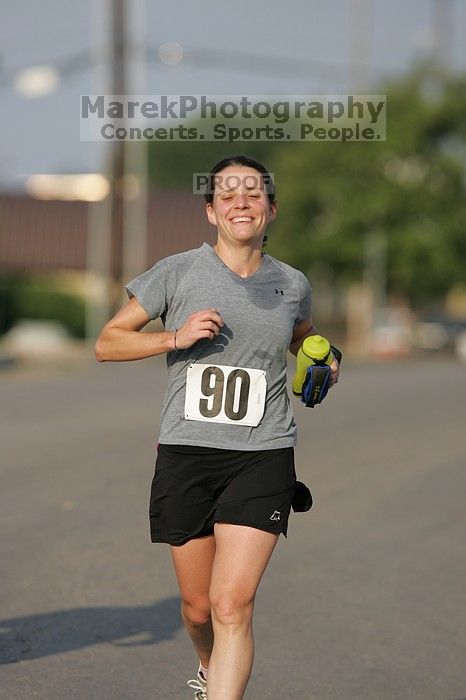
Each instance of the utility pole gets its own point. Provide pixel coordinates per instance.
(118, 81)
(443, 33)
(117, 226)
(360, 45)
(135, 220)
(99, 219)
(366, 299)
(128, 159)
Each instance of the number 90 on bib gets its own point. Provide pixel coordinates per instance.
(222, 394)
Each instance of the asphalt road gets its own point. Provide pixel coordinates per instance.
(364, 600)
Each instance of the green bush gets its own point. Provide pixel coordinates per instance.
(39, 297)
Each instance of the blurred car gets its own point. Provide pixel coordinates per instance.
(460, 346)
(439, 333)
(392, 332)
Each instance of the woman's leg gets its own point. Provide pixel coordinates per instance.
(242, 553)
(193, 566)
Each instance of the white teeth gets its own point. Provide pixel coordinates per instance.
(237, 219)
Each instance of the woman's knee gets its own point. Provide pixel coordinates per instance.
(232, 609)
(196, 612)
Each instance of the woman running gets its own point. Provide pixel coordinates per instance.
(224, 474)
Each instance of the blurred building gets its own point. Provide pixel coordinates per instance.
(49, 235)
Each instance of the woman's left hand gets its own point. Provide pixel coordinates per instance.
(334, 373)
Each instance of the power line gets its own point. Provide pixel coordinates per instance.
(236, 61)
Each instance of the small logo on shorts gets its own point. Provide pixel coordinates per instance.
(279, 291)
(275, 515)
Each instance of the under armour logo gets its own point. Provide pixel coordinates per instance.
(279, 291)
(275, 515)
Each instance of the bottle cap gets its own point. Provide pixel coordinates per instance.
(316, 347)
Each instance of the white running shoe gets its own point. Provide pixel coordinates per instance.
(199, 684)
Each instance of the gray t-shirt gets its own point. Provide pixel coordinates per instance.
(229, 392)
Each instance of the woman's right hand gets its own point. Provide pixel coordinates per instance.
(202, 324)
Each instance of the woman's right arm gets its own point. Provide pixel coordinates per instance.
(121, 340)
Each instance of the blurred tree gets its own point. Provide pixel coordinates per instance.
(39, 296)
(172, 164)
(410, 189)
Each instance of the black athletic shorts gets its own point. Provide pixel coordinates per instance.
(194, 487)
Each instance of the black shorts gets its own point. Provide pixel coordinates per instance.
(194, 487)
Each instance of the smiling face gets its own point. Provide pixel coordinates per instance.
(240, 209)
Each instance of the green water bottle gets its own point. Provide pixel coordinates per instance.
(315, 350)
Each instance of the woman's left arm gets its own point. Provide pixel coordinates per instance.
(300, 332)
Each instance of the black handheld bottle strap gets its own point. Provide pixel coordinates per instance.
(337, 354)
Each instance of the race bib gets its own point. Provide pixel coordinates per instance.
(222, 394)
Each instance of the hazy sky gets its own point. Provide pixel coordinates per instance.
(42, 135)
